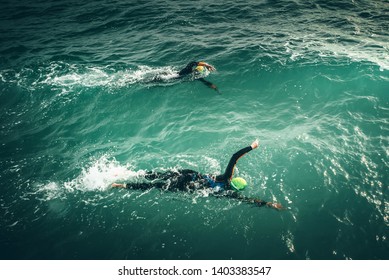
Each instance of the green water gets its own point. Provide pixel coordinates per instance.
(79, 112)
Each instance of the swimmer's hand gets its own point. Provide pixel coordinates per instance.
(210, 68)
(274, 205)
(115, 185)
(255, 144)
(215, 88)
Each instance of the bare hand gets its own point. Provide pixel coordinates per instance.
(255, 144)
(210, 67)
(277, 206)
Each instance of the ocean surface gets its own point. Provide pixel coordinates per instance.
(88, 97)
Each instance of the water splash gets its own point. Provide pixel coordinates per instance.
(97, 177)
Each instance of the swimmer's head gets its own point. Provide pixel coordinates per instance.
(238, 183)
(200, 69)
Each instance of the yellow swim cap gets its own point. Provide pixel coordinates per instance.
(200, 69)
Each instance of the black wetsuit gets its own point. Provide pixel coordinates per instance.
(189, 69)
(186, 179)
(189, 181)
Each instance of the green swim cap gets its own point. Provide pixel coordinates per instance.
(238, 183)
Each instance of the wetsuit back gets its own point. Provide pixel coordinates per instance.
(188, 68)
(182, 180)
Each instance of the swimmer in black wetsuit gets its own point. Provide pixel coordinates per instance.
(223, 185)
(198, 68)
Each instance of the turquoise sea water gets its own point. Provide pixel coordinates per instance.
(79, 111)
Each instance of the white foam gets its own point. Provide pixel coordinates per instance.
(73, 75)
(364, 49)
(99, 176)
(51, 190)
(93, 77)
(148, 74)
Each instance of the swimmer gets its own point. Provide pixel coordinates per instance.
(198, 69)
(222, 185)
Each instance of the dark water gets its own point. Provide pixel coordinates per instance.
(79, 111)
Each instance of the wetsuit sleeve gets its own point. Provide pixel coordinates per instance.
(209, 84)
(188, 68)
(206, 82)
(249, 200)
(231, 165)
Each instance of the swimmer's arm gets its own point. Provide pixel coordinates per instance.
(255, 144)
(209, 84)
(256, 201)
(260, 203)
(208, 66)
(235, 157)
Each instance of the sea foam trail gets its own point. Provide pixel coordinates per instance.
(66, 76)
(103, 76)
(97, 177)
